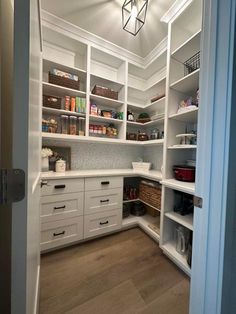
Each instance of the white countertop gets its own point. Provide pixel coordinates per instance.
(151, 174)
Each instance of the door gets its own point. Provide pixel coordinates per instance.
(20, 142)
(212, 290)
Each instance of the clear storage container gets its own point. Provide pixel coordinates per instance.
(73, 125)
(64, 124)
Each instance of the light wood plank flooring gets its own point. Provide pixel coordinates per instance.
(124, 273)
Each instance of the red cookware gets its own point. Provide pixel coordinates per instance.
(184, 173)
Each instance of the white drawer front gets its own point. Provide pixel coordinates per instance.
(61, 232)
(62, 186)
(57, 207)
(103, 183)
(99, 201)
(100, 223)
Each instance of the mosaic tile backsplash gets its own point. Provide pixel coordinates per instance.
(105, 156)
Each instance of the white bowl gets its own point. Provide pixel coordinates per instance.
(141, 166)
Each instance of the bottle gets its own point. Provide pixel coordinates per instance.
(180, 239)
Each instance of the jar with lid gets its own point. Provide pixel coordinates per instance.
(73, 120)
(64, 124)
(81, 126)
(154, 134)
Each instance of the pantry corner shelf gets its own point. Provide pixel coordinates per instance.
(100, 100)
(186, 220)
(147, 124)
(182, 147)
(188, 84)
(61, 111)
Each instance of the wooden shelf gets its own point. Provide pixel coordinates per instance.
(56, 90)
(61, 111)
(186, 221)
(187, 187)
(169, 249)
(104, 119)
(187, 85)
(104, 101)
(190, 116)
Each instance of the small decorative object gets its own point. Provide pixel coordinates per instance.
(155, 134)
(143, 117)
(45, 154)
(93, 109)
(142, 136)
(120, 115)
(60, 165)
(134, 15)
(187, 139)
(130, 116)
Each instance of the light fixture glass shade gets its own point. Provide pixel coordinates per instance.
(134, 15)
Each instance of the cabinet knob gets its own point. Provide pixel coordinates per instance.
(104, 223)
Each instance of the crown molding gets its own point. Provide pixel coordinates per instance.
(60, 25)
(176, 9)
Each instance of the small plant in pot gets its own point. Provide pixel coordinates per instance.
(143, 117)
(45, 154)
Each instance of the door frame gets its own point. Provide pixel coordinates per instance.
(213, 168)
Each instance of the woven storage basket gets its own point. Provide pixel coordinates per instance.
(63, 81)
(52, 101)
(150, 193)
(105, 92)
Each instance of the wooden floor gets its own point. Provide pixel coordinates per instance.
(124, 273)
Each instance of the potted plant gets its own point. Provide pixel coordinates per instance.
(45, 154)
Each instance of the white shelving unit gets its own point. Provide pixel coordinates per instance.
(184, 43)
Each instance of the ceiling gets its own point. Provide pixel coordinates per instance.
(104, 18)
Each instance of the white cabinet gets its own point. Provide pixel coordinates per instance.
(62, 186)
(103, 183)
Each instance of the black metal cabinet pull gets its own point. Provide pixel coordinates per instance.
(105, 182)
(60, 207)
(59, 233)
(104, 223)
(104, 201)
(60, 186)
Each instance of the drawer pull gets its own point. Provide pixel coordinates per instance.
(104, 223)
(104, 201)
(59, 233)
(60, 207)
(105, 182)
(60, 186)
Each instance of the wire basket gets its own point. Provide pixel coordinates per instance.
(192, 64)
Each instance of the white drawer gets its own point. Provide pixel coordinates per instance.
(99, 201)
(103, 183)
(62, 186)
(57, 207)
(61, 232)
(100, 223)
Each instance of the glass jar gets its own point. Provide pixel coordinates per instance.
(64, 124)
(155, 134)
(73, 120)
(81, 126)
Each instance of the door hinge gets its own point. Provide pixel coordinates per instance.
(197, 201)
(12, 186)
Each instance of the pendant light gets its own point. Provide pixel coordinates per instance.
(134, 15)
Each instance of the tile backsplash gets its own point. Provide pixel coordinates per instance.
(108, 156)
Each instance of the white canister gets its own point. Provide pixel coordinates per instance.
(60, 165)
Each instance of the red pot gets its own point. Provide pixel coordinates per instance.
(184, 173)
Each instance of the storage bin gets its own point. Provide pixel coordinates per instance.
(52, 101)
(63, 81)
(150, 193)
(105, 92)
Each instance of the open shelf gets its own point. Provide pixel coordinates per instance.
(188, 84)
(186, 221)
(188, 48)
(104, 101)
(48, 64)
(147, 124)
(153, 142)
(99, 80)
(169, 249)
(183, 147)
(189, 116)
(56, 90)
(104, 119)
(61, 111)
(187, 187)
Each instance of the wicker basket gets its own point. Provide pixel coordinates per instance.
(150, 193)
(52, 102)
(63, 81)
(105, 92)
